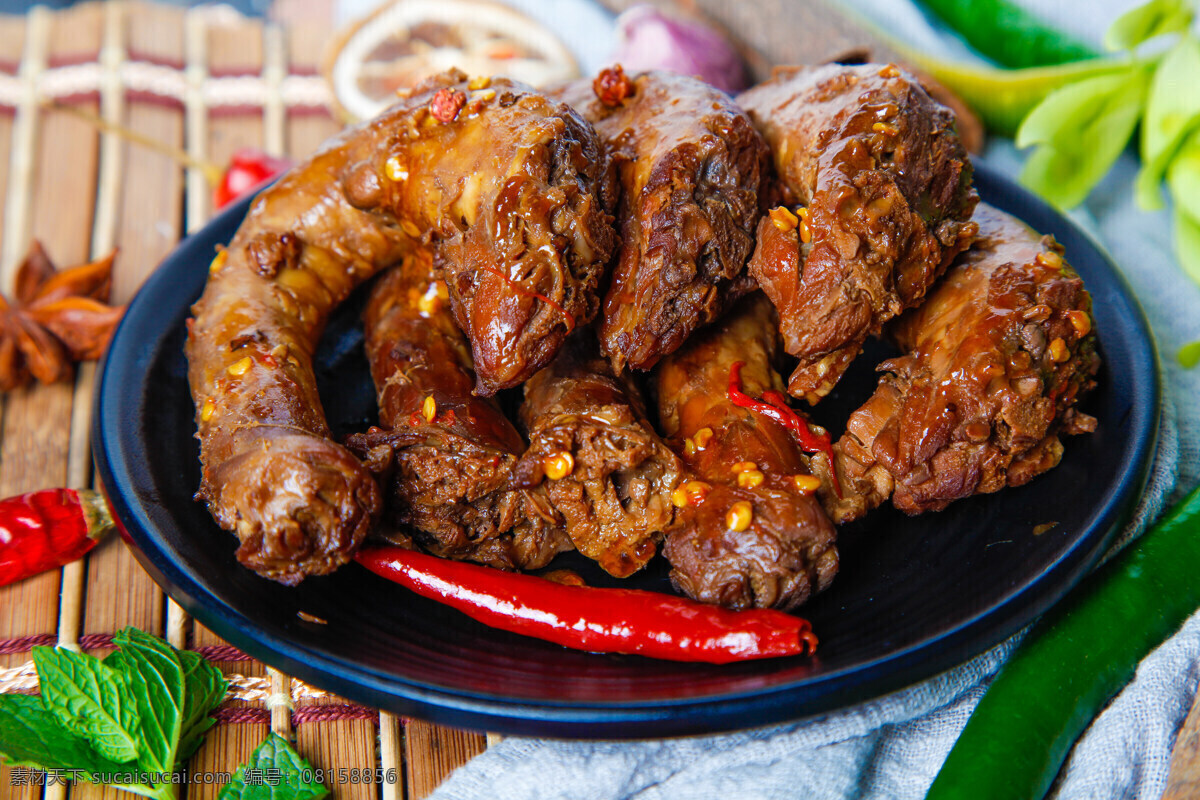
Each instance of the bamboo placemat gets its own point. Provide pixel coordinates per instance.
(207, 81)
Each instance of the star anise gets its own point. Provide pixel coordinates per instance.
(58, 317)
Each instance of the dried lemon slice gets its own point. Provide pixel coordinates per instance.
(405, 41)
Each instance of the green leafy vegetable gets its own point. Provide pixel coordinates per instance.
(275, 772)
(1183, 180)
(1172, 113)
(1001, 97)
(91, 699)
(1082, 128)
(1189, 355)
(205, 686)
(31, 736)
(157, 685)
(1146, 22)
(141, 711)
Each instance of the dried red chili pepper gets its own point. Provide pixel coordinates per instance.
(446, 103)
(612, 86)
(47, 529)
(595, 619)
(774, 405)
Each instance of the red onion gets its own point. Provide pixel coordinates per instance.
(649, 39)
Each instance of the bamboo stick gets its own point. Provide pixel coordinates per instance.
(196, 70)
(207, 139)
(391, 756)
(29, 38)
(24, 142)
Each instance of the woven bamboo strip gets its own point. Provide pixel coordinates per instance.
(79, 454)
(432, 752)
(24, 137)
(147, 214)
(36, 433)
(275, 66)
(343, 744)
(210, 49)
(306, 131)
(196, 53)
(279, 703)
(78, 448)
(57, 209)
(391, 756)
(12, 43)
(179, 623)
(15, 188)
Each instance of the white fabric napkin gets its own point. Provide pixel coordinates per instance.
(893, 746)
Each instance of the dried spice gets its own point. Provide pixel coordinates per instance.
(446, 104)
(612, 86)
(57, 317)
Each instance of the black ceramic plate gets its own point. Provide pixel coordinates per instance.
(914, 596)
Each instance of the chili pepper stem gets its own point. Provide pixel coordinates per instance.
(96, 514)
(212, 173)
(44, 530)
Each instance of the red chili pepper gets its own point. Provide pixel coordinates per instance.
(599, 620)
(774, 405)
(44, 530)
(248, 168)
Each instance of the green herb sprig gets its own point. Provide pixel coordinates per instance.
(130, 720)
(275, 772)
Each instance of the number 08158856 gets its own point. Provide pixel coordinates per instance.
(341, 776)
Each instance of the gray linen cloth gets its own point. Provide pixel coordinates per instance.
(893, 746)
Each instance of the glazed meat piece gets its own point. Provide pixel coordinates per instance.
(884, 187)
(691, 167)
(513, 192)
(499, 183)
(447, 454)
(751, 531)
(606, 470)
(995, 361)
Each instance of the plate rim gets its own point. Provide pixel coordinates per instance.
(638, 718)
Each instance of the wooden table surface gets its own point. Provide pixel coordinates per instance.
(82, 193)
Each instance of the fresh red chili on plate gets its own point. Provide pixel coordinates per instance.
(47, 529)
(774, 405)
(595, 619)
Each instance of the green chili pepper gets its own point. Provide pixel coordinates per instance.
(1002, 97)
(1075, 659)
(1008, 34)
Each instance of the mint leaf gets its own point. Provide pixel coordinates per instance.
(1147, 21)
(205, 687)
(1081, 128)
(90, 699)
(31, 736)
(1172, 113)
(157, 686)
(275, 772)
